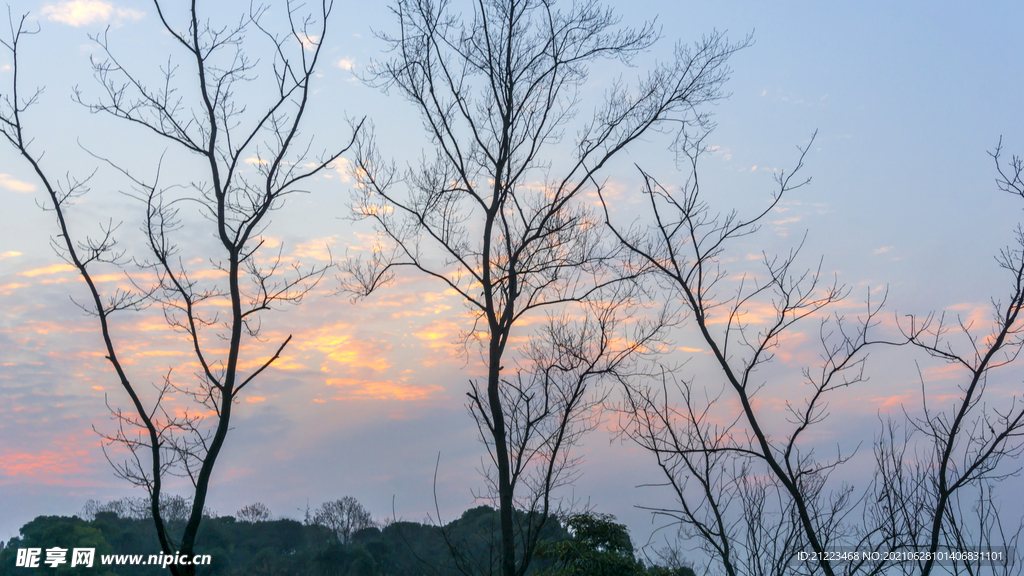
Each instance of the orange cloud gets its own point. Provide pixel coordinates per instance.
(208, 274)
(796, 348)
(382, 389)
(63, 464)
(943, 372)
(896, 400)
(41, 464)
(45, 270)
(6, 289)
(282, 363)
(755, 314)
(437, 330)
(316, 249)
(46, 327)
(338, 345)
(161, 353)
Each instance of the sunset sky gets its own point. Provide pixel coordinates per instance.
(907, 100)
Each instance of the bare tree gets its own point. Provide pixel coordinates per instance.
(255, 512)
(751, 491)
(93, 507)
(938, 492)
(251, 156)
(343, 517)
(549, 403)
(489, 214)
(173, 508)
(748, 489)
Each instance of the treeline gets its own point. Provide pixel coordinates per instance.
(338, 539)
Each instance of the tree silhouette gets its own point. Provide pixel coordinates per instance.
(343, 517)
(748, 487)
(251, 155)
(494, 215)
(938, 493)
(256, 512)
(740, 461)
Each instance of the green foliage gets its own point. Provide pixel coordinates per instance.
(598, 547)
(468, 545)
(600, 532)
(56, 531)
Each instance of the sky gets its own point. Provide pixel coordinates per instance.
(907, 100)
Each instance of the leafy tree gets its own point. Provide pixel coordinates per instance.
(57, 532)
(598, 547)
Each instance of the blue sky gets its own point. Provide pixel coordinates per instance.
(906, 99)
